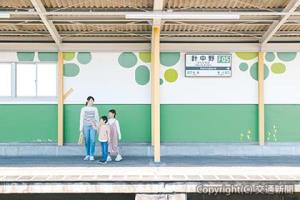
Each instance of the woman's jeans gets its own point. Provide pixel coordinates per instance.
(104, 148)
(90, 140)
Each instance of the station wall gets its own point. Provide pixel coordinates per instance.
(192, 109)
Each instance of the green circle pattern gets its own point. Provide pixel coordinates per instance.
(71, 69)
(127, 59)
(68, 56)
(145, 57)
(254, 71)
(171, 75)
(25, 56)
(169, 58)
(286, 56)
(84, 57)
(161, 81)
(48, 56)
(278, 68)
(246, 55)
(270, 56)
(243, 66)
(142, 75)
(142, 72)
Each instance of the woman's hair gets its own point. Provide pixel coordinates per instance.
(104, 118)
(88, 99)
(113, 111)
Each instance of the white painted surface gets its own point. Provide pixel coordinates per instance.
(110, 83)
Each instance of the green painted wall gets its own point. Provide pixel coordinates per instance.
(221, 123)
(28, 123)
(134, 121)
(208, 122)
(178, 122)
(285, 119)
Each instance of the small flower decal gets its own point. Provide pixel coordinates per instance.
(246, 136)
(273, 134)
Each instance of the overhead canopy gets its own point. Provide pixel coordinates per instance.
(63, 21)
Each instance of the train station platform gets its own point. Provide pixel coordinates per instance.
(167, 149)
(140, 175)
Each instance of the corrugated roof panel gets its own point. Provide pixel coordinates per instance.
(104, 27)
(215, 27)
(290, 27)
(105, 4)
(15, 4)
(226, 4)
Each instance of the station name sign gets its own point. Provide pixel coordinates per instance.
(208, 65)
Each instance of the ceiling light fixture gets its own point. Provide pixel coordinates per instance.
(4, 15)
(181, 15)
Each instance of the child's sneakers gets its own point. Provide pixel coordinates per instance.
(86, 158)
(118, 158)
(108, 158)
(92, 158)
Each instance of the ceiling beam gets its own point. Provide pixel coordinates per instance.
(31, 39)
(117, 15)
(163, 33)
(39, 7)
(182, 47)
(158, 5)
(275, 26)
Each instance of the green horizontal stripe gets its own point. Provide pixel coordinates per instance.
(192, 123)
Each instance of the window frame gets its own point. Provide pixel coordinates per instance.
(11, 80)
(27, 99)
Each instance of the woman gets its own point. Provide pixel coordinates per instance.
(88, 117)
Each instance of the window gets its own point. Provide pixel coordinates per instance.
(28, 80)
(5, 79)
(46, 79)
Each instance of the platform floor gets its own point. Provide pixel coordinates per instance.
(141, 174)
(136, 161)
(167, 149)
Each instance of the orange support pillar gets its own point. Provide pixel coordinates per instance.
(261, 104)
(155, 91)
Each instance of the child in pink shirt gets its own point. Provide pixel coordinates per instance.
(104, 132)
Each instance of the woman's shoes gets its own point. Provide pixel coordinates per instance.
(89, 158)
(86, 158)
(102, 161)
(92, 158)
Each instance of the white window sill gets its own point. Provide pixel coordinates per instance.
(28, 100)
